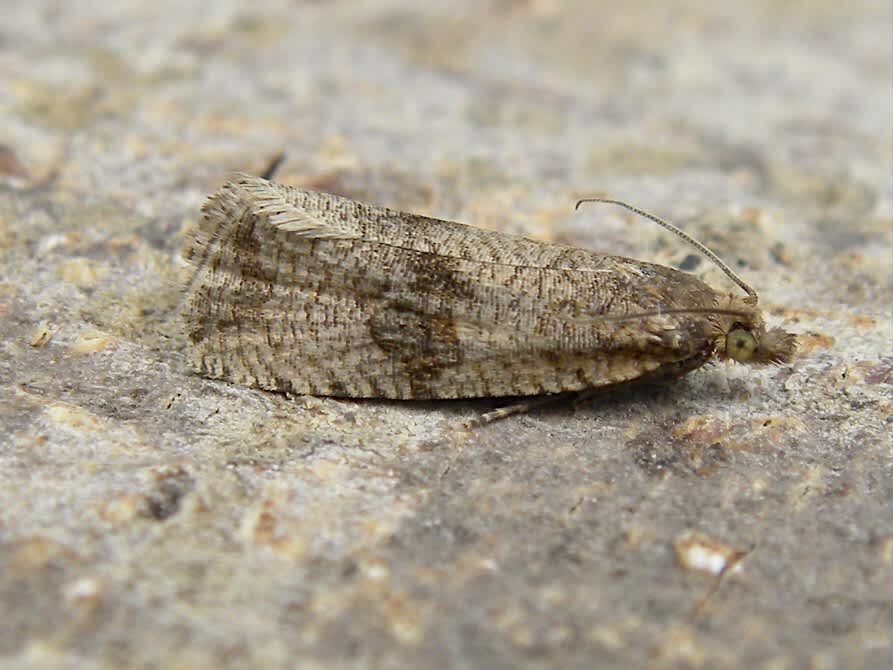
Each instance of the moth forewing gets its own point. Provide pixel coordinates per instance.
(311, 293)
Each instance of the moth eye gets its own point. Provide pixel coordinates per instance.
(740, 345)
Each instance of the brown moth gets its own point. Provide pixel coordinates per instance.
(310, 293)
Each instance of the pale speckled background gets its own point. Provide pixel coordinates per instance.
(149, 518)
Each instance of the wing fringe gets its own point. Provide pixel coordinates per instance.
(281, 208)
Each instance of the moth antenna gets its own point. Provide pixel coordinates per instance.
(662, 312)
(683, 235)
(681, 310)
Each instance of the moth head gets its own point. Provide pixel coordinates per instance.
(745, 339)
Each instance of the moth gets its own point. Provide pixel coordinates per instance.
(310, 293)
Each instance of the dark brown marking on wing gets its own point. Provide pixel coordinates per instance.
(419, 335)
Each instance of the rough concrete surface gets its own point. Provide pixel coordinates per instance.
(739, 518)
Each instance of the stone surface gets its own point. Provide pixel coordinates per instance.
(737, 519)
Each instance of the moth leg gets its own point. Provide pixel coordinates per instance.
(516, 408)
(500, 413)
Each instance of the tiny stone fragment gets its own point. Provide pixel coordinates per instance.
(698, 552)
(41, 335)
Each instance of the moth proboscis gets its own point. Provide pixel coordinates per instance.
(306, 292)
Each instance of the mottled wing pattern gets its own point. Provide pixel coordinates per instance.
(310, 293)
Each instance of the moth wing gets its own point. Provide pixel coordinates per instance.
(290, 299)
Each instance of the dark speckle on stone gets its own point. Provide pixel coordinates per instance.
(165, 499)
(690, 262)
